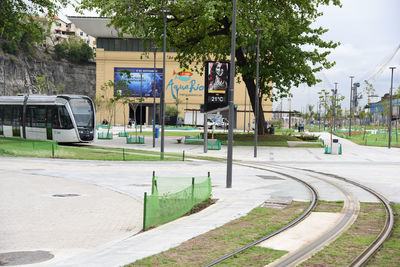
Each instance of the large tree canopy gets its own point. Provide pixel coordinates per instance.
(291, 50)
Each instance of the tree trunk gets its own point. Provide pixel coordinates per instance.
(251, 89)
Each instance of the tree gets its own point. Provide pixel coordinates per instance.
(291, 50)
(18, 27)
(45, 87)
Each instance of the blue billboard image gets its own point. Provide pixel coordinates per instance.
(140, 81)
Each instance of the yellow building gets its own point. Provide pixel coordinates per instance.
(114, 54)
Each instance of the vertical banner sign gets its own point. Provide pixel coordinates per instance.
(216, 85)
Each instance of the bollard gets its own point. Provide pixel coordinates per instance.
(191, 211)
(153, 182)
(183, 155)
(123, 154)
(144, 211)
(52, 151)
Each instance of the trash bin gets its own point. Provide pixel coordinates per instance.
(157, 133)
(335, 147)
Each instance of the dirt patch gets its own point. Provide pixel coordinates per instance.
(228, 238)
(328, 206)
(350, 244)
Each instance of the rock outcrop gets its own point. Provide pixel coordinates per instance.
(19, 75)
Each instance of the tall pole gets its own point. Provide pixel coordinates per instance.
(390, 109)
(154, 98)
(230, 100)
(256, 94)
(163, 89)
(334, 106)
(245, 108)
(351, 97)
(141, 100)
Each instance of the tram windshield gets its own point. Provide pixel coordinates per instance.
(83, 112)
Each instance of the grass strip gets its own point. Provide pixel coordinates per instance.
(389, 254)
(329, 206)
(230, 237)
(351, 243)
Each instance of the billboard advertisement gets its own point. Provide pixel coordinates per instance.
(140, 81)
(216, 85)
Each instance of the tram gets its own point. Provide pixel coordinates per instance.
(62, 118)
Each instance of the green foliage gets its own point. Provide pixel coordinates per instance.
(60, 50)
(17, 24)
(171, 111)
(10, 47)
(45, 86)
(79, 51)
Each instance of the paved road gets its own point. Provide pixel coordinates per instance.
(92, 229)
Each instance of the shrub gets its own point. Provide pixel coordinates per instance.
(61, 50)
(10, 47)
(171, 111)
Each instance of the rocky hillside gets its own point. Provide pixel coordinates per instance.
(19, 74)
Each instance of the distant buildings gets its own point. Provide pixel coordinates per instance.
(60, 31)
(379, 109)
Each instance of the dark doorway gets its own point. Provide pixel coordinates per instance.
(137, 113)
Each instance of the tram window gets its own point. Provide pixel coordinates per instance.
(29, 112)
(7, 115)
(17, 115)
(65, 120)
(38, 116)
(1, 115)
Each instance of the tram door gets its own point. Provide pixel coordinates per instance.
(49, 122)
(16, 121)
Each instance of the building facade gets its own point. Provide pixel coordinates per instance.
(184, 88)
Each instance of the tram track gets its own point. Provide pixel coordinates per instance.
(350, 211)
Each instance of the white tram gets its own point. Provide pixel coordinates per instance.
(62, 118)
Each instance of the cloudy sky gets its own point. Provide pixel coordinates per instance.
(369, 33)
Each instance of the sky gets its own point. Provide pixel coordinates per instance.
(369, 33)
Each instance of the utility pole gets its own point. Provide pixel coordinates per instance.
(231, 99)
(351, 97)
(390, 109)
(154, 97)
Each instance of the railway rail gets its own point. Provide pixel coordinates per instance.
(350, 211)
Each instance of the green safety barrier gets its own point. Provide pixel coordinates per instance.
(105, 135)
(194, 140)
(214, 144)
(123, 134)
(172, 197)
(135, 140)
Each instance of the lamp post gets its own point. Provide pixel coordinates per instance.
(390, 109)
(154, 97)
(141, 100)
(351, 97)
(230, 100)
(256, 94)
(162, 104)
(334, 92)
(245, 108)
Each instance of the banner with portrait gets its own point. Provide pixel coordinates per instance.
(216, 85)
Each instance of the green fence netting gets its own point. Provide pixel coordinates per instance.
(173, 197)
(135, 140)
(105, 135)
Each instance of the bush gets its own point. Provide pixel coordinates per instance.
(10, 47)
(80, 52)
(61, 50)
(171, 111)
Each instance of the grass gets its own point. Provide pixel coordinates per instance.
(18, 147)
(351, 243)
(241, 139)
(369, 139)
(207, 247)
(328, 206)
(389, 254)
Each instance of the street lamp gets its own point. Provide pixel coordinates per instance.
(154, 97)
(351, 97)
(162, 104)
(390, 109)
(141, 100)
(334, 92)
(230, 100)
(256, 94)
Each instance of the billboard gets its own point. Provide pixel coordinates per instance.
(140, 81)
(216, 85)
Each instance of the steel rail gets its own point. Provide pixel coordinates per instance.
(366, 255)
(314, 199)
